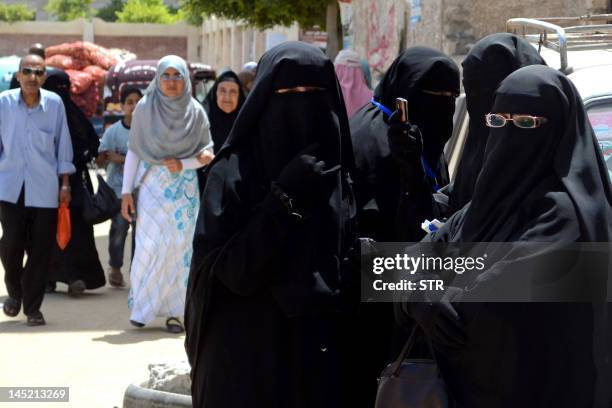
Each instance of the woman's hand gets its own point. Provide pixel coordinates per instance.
(128, 209)
(173, 165)
(205, 157)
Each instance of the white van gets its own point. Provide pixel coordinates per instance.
(583, 52)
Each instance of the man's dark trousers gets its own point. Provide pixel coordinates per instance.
(32, 231)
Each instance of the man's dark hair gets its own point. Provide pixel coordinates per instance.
(37, 49)
(127, 91)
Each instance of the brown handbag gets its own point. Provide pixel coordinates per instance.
(412, 383)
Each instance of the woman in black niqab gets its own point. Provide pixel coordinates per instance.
(415, 75)
(266, 284)
(543, 185)
(79, 261)
(489, 61)
(221, 122)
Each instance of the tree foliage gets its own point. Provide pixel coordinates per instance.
(16, 12)
(109, 12)
(261, 13)
(148, 11)
(66, 10)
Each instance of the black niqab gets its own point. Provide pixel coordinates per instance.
(378, 175)
(489, 61)
(273, 294)
(220, 122)
(84, 138)
(548, 184)
(559, 163)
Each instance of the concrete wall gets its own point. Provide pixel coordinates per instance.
(147, 41)
(231, 43)
(381, 27)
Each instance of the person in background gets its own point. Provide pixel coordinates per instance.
(367, 73)
(394, 190)
(112, 151)
(78, 265)
(222, 105)
(169, 140)
(35, 154)
(489, 61)
(350, 74)
(247, 76)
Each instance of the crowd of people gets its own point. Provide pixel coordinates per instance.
(249, 212)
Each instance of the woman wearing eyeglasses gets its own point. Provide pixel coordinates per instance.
(169, 139)
(544, 188)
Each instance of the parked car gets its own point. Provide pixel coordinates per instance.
(140, 73)
(584, 53)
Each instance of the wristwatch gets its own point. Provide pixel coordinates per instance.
(65, 188)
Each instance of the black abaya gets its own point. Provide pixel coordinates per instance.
(79, 260)
(378, 178)
(557, 191)
(266, 289)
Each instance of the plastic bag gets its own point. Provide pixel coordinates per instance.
(79, 81)
(64, 230)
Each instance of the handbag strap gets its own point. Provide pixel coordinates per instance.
(397, 364)
(143, 176)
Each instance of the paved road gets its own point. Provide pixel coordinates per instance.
(87, 345)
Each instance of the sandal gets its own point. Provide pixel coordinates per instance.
(36, 319)
(11, 307)
(115, 278)
(136, 324)
(175, 328)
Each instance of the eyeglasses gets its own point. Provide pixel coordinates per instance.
(27, 71)
(174, 77)
(497, 120)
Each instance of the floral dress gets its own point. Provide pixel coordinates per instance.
(167, 208)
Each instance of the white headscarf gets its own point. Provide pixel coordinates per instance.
(164, 127)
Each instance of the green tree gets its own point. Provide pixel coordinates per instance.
(109, 12)
(66, 10)
(16, 12)
(148, 11)
(262, 13)
(268, 13)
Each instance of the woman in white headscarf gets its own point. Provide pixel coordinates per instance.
(169, 139)
(352, 80)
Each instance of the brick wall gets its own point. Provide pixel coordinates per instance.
(18, 44)
(147, 47)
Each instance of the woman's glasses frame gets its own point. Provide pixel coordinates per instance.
(520, 121)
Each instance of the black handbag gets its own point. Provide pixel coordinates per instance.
(101, 206)
(412, 383)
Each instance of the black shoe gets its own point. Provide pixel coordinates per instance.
(11, 307)
(50, 287)
(76, 288)
(36, 319)
(137, 324)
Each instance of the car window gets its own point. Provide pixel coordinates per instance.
(600, 115)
